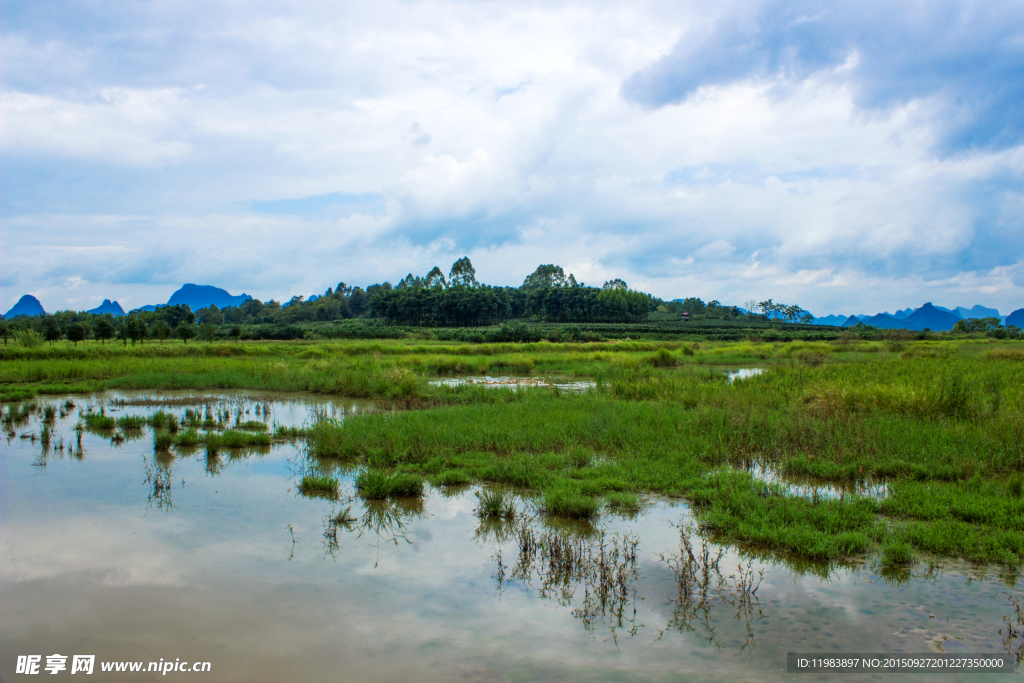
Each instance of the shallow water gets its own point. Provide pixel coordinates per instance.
(516, 382)
(815, 489)
(226, 562)
(743, 373)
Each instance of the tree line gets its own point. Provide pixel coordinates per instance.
(457, 300)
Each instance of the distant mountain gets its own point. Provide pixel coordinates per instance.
(835, 320)
(977, 312)
(27, 305)
(929, 316)
(201, 296)
(900, 315)
(108, 306)
(851, 321)
(1016, 318)
(885, 321)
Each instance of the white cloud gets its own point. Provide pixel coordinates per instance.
(497, 130)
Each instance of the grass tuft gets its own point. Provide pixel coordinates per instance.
(377, 485)
(318, 484)
(495, 503)
(567, 500)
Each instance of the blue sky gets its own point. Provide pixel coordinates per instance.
(850, 157)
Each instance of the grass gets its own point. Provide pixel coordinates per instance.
(162, 441)
(377, 485)
(568, 500)
(187, 439)
(318, 484)
(96, 421)
(494, 503)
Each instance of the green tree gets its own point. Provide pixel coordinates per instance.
(134, 329)
(104, 329)
(548, 275)
(236, 333)
(462, 274)
(208, 331)
(185, 331)
(5, 330)
(210, 314)
(617, 283)
(161, 330)
(51, 329)
(435, 279)
(76, 333)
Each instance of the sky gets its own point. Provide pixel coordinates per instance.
(848, 157)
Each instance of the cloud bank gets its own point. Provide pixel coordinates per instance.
(844, 156)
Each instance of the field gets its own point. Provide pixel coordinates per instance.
(840, 449)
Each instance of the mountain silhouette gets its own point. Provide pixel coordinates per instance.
(1016, 318)
(930, 317)
(27, 305)
(200, 296)
(108, 306)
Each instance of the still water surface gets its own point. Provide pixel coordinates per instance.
(232, 565)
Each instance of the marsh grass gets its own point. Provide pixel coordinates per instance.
(896, 552)
(568, 500)
(162, 441)
(456, 477)
(98, 422)
(131, 422)
(495, 503)
(375, 484)
(941, 424)
(318, 484)
(188, 438)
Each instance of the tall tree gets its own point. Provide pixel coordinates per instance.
(463, 274)
(435, 279)
(617, 283)
(548, 275)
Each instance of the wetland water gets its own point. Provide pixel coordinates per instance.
(119, 552)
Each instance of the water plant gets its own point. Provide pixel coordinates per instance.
(187, 439)
(896, 552)
(376, 484)
(98, 422)
(318, 484)
(162, 441)
(567, 500)
(495, 503)
(131, 422)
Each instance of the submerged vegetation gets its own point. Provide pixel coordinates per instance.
(937, 427)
